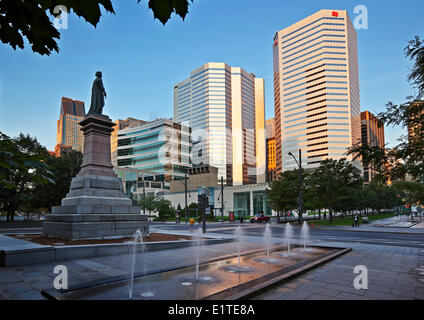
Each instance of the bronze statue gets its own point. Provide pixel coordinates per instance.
(98, 95)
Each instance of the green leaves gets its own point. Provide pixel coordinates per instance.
(28, 19)
(415, 50)
(406, 160)
(162, 9)
(152, 203)
(89, 10)
(284, 192)
(334, 185)
(22, 167)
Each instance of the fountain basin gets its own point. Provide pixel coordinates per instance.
(214, 281)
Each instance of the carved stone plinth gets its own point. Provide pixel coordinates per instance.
(95, 206)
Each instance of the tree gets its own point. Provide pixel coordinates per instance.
(412, 193)
(62, 169)
(29, 19)
(284, 192)
(406, 159)
(147, 203)
(161, 206)
(22, 162)
(334, 180)
(312, 196)
(380, 197)
(164, 208)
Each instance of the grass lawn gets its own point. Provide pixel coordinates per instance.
(349, 220)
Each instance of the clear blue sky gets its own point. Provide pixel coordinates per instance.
(141, 59)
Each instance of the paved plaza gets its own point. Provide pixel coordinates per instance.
(394, 271)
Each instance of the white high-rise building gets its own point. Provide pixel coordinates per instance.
(225, 107)
(316, 90)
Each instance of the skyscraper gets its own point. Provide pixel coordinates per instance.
(372, 133)
(316, 90)
(270, 150)
(225, 107)
(72, 112)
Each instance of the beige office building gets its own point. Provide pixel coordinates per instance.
(69, 135)
(225, 107)
(316, 90)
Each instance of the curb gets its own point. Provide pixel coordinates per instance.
(14, 258)
(381, 231)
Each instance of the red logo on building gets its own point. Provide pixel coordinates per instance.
(335, 14)
(275, 43)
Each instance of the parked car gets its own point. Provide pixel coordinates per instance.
(260, 217)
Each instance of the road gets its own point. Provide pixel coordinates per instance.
(365, 237)
(257, 230)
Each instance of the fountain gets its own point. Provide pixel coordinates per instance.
(288, 234)
(267, 240)
(304, 231)
(197, 243)
(231, 276)
(239, 268)
(228, 277)
(238, 237)
(137, 239)
(268, 245)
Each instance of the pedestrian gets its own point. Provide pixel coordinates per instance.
(241, 218)
(356, 221)
(191, 224)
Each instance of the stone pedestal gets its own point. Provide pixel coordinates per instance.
(95, 207)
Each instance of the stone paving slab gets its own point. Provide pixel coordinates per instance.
(335, 279)
(14, 244)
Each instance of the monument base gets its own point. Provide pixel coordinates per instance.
(95, 206)
(94, 226)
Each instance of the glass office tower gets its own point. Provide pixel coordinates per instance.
(161, 146)
(225, 108)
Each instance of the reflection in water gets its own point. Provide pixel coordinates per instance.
(194, 282)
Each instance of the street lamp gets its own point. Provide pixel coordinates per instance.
(299, 164)
(222, 199)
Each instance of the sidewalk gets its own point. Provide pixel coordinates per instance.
(369, 228)
(388, 225)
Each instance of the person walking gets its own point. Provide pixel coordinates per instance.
(191, 224)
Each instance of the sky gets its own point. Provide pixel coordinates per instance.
(142, 60)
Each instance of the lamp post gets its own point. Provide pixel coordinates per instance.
(185, 196)
(300, 183)
(221, 195)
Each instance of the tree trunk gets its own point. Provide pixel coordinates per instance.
(331, 215)
(10, 214)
